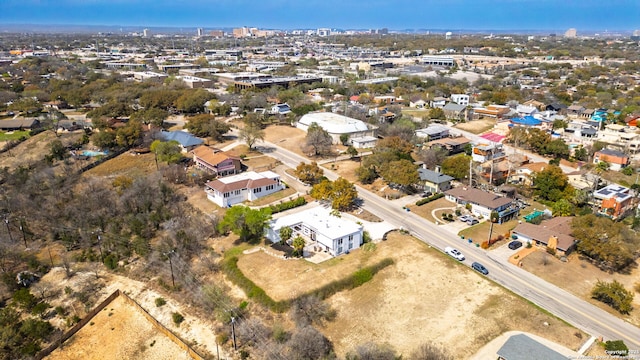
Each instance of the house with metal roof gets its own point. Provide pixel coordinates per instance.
(186, 140)
(337, 125)
(248, 186)
(433, 132)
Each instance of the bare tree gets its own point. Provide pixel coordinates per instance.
(308, 343)
(429, 351)
(373, 351)
(309, 310)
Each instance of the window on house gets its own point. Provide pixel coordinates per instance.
(237, 192)
(226, 195)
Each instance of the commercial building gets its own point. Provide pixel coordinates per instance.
(337, 125)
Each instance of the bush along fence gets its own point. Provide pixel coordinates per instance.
(287, 205)
(253, 291)
(109, 156)
(429, 199)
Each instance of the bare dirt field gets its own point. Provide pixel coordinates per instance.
(288, 137)
(127, 164)
(426, 296)
(477, 126)
(579, 277)
(119, 331)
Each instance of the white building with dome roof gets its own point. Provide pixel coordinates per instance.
(337, 125)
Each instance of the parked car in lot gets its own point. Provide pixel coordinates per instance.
(514, 245)
(454, 253)
(479, 268)
(472, 221)
(465, 218)
(426, 194)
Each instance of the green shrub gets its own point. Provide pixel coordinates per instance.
(616, 348)
(429, 199)
(613, 294)
(177, 318)
(111, 261)
(288, 205)
(160, 301)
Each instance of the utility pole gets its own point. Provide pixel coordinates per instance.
(24, 237)
(168, 255)
(471, 171)
(233, 332)
(6, 222)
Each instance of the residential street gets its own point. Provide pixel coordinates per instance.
(559, 302)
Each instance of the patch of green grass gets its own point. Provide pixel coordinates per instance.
(13, 135)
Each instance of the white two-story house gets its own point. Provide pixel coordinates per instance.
(249, 186)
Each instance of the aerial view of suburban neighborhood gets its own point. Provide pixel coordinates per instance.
(201, 181)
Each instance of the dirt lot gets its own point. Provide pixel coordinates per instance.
(125, 164)
(119, 331)
(477, 126)
(34, 149)
(288, 137)
(405, 304)
(579, 277)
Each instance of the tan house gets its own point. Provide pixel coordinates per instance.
(553, 233)
(216, 161)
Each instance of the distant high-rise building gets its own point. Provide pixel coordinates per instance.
(571, 33)
(448, 35)
(146, 33)
(216, 33)
(200, 32)
(635, 36)
(324, 32)
(241, 32)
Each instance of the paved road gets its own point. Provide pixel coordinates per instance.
(557, 301)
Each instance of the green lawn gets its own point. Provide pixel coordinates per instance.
(13, 135)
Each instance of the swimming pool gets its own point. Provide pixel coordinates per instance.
(93, 153)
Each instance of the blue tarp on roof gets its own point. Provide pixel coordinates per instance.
(526, 121)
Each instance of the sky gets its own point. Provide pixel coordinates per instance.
(541, 15)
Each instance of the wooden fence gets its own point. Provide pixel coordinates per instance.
(173, 337)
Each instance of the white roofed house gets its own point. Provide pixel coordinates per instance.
(321, 230)
(249, 186)
(337, 125)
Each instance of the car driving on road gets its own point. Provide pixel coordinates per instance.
(454, 253)
(479, 268)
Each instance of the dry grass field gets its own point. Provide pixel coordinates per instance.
(119, 331)
(424, 296)
(578, 277)
(126, 164)
(477, 126)
(34, 149)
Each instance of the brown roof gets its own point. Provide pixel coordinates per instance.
(212, 156)
(481, 197)
(559, 227)
(536, 166)
(239, 185)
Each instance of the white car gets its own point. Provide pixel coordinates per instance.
(454, 253)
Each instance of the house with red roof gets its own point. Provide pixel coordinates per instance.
(216, 161)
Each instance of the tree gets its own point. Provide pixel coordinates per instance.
(155, 116)
(344, 138)
(161, 99)
(558, 148)
(432, 157)
(318, 140)
(373, 351)
(168, 151)
(245, 222)
(192, 101)
(298, 245)
(205, 125)
(609, 244)
(562, 207)
(396, 145)
(456, 166)
(613, 294)
(130, 134)
(341, 193)
(402, 172)
(58, 151)
(285, 234)
(104, 139)
(251, 133)
(581, 153)
(27, 105)
(308, 343)
(429, 351)
(309, 310)
(552, 184)
(436, 113)
(309, 173)
(344, 194)
(352, 152)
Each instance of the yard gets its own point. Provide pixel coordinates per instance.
(477, 126)
(405, 305)
(34, 149)
(127, 164)
(13, 135)
(579, 277)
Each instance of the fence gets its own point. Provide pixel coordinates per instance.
(173, 337)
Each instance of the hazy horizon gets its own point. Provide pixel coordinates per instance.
(455, 15)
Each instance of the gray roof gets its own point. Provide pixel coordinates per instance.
(433, 177)
(612, 152)
(433, 129)
(522, 347)
(18, 123)
(454, 107)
